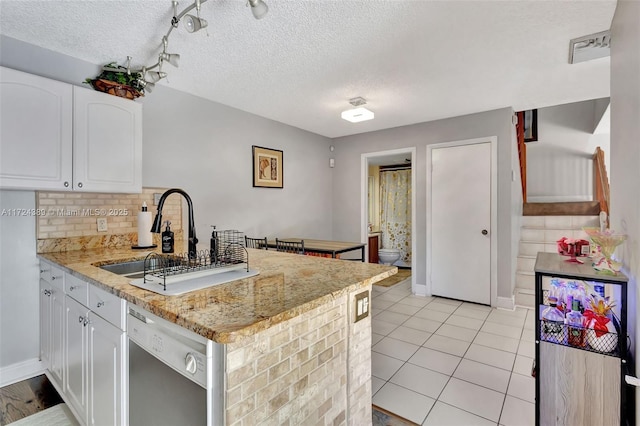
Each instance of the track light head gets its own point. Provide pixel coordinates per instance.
(154, 76)
(194, 23)
(172, 58)
(259, 8)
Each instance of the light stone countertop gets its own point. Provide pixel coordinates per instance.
(287, 286)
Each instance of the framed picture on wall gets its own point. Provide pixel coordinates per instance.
(531, 125)
(267, 168)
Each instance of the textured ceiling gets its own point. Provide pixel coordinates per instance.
(413, 61)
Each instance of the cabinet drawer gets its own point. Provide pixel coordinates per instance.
(51, 274)
(108, 306)
(56, 278)
(77, 289)
(45, 271)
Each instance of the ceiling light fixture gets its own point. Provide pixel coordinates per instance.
(355, 115)
(192, 24)
(172, 58)
(195, 23)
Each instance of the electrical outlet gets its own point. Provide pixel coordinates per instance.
(102, 224)
(362, 305)
(156, 198)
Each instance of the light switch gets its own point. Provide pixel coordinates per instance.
(362, 305)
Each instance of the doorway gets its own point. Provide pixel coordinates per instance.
(461, 220)
(370, 182)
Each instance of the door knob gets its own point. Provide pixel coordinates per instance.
(485, 232)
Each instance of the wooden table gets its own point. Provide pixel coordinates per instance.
(325, 246)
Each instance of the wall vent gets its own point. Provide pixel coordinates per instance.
(590, 47)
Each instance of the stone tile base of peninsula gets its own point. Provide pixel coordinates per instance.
(312, 369)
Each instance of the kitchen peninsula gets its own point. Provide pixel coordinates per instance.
(292, 350)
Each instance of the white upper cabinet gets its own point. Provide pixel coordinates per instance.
(55, 136)
(107, 142)
(35, 132)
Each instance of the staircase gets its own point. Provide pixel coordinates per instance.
(540, 233)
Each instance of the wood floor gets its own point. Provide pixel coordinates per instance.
(28, 397)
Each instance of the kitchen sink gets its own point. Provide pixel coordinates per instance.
(177, 284)
(134, 268)
(125, 268)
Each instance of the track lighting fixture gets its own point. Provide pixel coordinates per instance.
(172, 58)
(258, 8)
(195, 23)
(192, 24)
(154, 76)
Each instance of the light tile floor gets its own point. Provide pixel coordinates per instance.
(440, 362)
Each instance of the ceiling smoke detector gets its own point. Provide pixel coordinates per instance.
(593, 46)
(359, 113)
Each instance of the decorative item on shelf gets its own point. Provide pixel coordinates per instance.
(602, 335)
(131, 83)
(607, 240)
(552, 326)
(118, 81)
(574, 248)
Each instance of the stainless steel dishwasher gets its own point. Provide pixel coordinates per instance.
(175, 376)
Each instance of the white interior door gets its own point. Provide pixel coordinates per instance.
(460, 222)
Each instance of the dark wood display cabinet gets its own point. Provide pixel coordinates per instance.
(580, 380)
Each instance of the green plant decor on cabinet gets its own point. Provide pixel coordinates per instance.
(118, 81)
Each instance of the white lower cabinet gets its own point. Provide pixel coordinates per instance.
(45, 322)
(76, 319)
(107, 373)
(84, 354)
(52, 322)
(56, 356)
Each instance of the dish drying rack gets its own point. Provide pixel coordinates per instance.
(227, 253)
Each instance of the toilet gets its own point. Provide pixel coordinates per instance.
(388, 256)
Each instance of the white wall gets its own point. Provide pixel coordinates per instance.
(347, 190)
(205, 149)
(197, 145)
(625, 153)
(559, 164)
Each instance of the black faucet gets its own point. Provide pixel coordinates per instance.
(157, 222)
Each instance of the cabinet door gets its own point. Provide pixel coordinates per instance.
(35, 132)
(578, 387)
(107, 142)
(106, 373)
(56, 356)
(76, 320)
(45, 322)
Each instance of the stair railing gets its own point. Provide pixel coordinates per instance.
(600, 181)
(522, 154)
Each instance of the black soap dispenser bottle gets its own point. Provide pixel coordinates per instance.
(167, 239)
(213, 247)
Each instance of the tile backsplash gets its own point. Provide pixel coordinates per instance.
(69, 219)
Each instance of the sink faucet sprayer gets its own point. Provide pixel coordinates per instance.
(157, 222)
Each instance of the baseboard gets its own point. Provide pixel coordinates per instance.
(20, 371)
(419, 290)
(507, 303)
